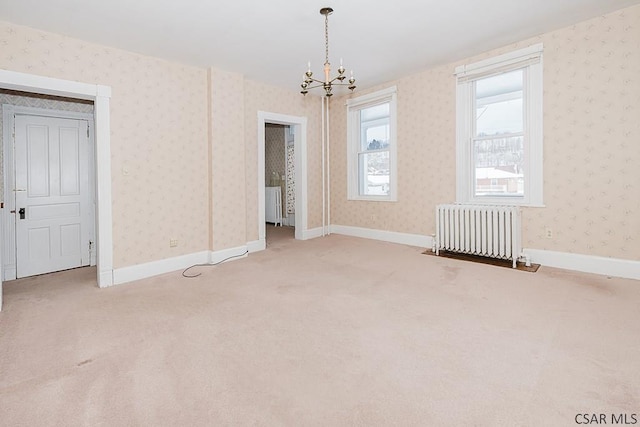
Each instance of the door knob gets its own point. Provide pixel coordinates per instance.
(21, 212)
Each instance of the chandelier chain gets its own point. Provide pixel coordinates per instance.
(326, 38)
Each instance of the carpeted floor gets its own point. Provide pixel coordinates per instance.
(328, 332)
(278, 235)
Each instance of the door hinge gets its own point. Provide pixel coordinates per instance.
(87, 131)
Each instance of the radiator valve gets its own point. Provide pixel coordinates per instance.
(526, 258)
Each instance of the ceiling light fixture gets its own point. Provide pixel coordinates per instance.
(328, 83)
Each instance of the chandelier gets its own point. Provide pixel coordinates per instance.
(309, 82)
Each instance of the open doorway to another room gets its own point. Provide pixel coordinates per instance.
(296, 215)
(280, 182)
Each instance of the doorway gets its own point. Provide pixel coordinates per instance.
(297, 134)
(279, 183)
(49, 187)
(100, 95)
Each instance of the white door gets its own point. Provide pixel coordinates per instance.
(54, 219)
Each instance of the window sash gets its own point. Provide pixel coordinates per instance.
(357, 144)
(531, 60)
(363, 176)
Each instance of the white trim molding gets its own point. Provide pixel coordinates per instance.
(154, 268)
(312, 233)
(627, 269)
(354, 143)
(299, 125)
(408, 239)
(168, 265)
(530, 60)
(257, 245)
(499, 63)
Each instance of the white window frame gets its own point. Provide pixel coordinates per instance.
(354, 106)
(530, 59)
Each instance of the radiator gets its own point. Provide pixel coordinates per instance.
(491, 231)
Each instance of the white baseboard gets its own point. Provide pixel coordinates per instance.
(627, 269)
(312, 233)
(154, 268)
(105, 279)
(228, 254)
(10, 272)
(257, 245)
(418, 240)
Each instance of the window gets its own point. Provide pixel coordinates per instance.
(499, 129)
(371, 144)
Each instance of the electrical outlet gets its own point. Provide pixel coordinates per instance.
(548, 233)
(173, 243)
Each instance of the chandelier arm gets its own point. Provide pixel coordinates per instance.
(315, 80)
(320, 84)
(336, 78)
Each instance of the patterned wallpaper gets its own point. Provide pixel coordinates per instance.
(158, 137)
(228, 162)
(591, 150)
(169, 182)
(274, 158)
(290, 196)
(274, 151)
(36, 101)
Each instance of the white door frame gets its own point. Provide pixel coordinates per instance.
(8, 112)
(100, 95)
(299, 125)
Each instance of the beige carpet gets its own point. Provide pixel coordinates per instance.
(329, 332)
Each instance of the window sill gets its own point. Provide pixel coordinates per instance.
(372, 199)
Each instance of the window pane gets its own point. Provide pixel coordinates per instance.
(373, 172)
(375, 112)
(499, 104)
(499, 167)
(376, 136)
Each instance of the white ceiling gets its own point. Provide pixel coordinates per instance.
(272, 40)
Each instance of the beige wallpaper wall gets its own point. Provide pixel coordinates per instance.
(184, 143)
(275, 159)
(36, 101)
(158, 137)
(228, 162)
(591, 149)
(178, 172)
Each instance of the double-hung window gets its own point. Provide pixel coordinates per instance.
(371, 140)
(499, 129)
